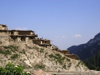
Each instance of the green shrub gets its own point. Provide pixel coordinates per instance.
(23, 51)
(58, 58)
(41, 50)
(1, 51)
(63, 58)
(14, 56)
(11, 48)
(39, 66)
(64, 66)
(8, 50)
(11, 69)
(51, 55)
(69, 65)
(79, 63)
(5, 52)
(30, 47)
(67, 59)
(58, 55)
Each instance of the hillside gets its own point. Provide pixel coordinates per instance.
(88, 49)
(32, 56)
(93, 62)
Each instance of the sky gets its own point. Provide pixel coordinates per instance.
(64, 22)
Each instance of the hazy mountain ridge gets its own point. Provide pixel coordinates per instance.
(87, 50)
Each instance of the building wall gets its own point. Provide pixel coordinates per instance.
(14, 38)
(72, 56)
(25, 32)
(3, 27)
(47, 41)
(15, 32)
(41, 41)
(37, 42)
(18, 38)
(31, 33)
(4, 33)
(26, 39)
(64, 52)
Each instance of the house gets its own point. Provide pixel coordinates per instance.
(23, 35)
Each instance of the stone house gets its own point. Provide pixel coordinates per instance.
(65, 52)
(42, 42)
(23, 35)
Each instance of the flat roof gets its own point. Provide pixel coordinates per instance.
(41, 39)
(3, 25)
(24, 35)
(22, 30)
(19, 30)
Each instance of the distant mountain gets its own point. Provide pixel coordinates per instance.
(93, 62)
(88, 49)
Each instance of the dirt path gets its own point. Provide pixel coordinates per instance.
(74, 73)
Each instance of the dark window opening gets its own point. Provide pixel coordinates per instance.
(22, 38)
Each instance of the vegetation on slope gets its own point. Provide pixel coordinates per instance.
(93, 63)
(36, 57)
(7, 50)
(11, 69)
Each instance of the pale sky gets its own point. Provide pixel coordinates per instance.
(64, 22)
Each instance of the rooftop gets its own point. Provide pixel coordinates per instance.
(3, 25)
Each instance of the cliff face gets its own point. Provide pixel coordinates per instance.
(87, 50)
(32, 56)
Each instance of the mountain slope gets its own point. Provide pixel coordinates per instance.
(93, 62)
(87, 50)
(32, 56)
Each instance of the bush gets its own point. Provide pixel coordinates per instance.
(51, 55)
(79, 63)
(8, 50)
(67, 59)
(41, 50)
(23, 51)
(64, 66)
(69, 65)
(58, 58)
(5, 52)
(14, 56)
(11, 69)
(11, 48)
(39, 66)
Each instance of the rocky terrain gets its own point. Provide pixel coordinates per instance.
(33, 57)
